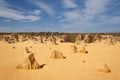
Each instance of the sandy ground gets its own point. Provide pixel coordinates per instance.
(71, 68)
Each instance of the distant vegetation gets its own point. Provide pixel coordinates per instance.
(68, 37)
(57, 33)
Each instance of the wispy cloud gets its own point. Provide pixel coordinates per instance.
(43, 6)
(69, 4)
(12, 14)
(71, 15)
(93, 14)
(96, 6)
(3, 3)
(36, 12)
(96, 10)
(93, 9)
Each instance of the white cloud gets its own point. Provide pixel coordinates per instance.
(96, 6)
(97, 9)
(43, 6)
(12, 14)
(3, 3)
(69, 4)
(71, 15)
(92, 16)
(37, 12)
(93, 9)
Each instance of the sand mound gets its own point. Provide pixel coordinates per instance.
(83, 61)
(13, 47)
(104, 68)
(74, 49)
(83, 50)
(57, 55)
(30, 63)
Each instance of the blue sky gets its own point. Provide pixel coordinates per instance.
(60, 15)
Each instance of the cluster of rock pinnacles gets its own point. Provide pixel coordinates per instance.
(31, 63)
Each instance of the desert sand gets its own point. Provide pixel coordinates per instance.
(76, 66)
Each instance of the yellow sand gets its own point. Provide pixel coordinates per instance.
(71, 68)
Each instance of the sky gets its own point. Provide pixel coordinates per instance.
(60, 16)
